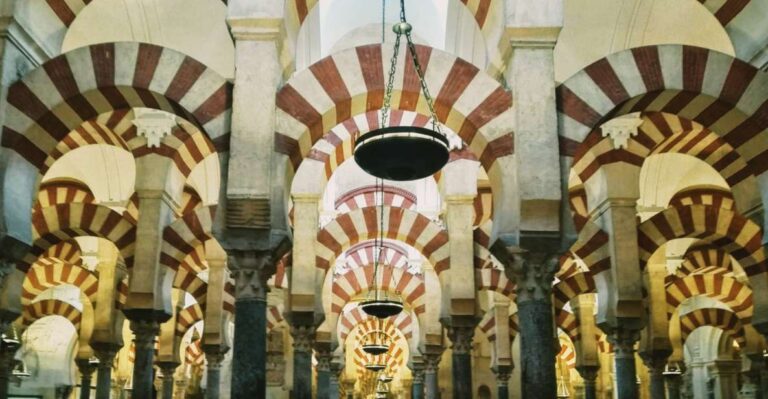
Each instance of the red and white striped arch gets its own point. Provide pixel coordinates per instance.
(404, 322)
(366, 196)
(724, 228)
(723, 319)
(187, 318)
(488, 326)
(399, 224)
(51, 307)
(62, 192)
(64, 222)
(718, 197)
(390, 279)
(50, 272)
(701, 259)
(591, 247)
(351, 82)
(184, 235)
(64, 251)
(736, 16)
(716, 91)
(725, 289)
(68, 90)
(364, 254)
(495, 280)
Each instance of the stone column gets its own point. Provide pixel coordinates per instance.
(674, 380)
(461, 337)
(625, 372)
(534, 273)
(106, 353)
(589, 374)
(725, 374)
(323, 373)
(168, 369)
(86, 368)
(417, 387)
(303, 338)
(214, 355)
(334, 387)
(656, 362)
(7, 352)
(431, 365)
(754, 377)
(502, 381)
(250, 270)
(145, 332)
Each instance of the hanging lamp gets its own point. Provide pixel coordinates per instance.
(375, 367)
(376, 341)
(403, 153)
(380, 305)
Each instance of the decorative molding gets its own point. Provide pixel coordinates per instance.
(621, 129)
(153, 125)
(250, 213)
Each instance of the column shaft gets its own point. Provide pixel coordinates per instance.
(589, 375)
(85, 386)
(503, 391)
(417, 390)
(249, 366)
(302, 375)
(673, 386)
(462, 375)
(106, 354)
(143, 369)
(537, 355)
(213, 387)
(323, 374)
(168, 369)
(626, 374)
(657, 384)
(431, 387)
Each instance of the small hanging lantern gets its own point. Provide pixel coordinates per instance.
(375, 367)
(380, 305)
(20, 370)
(403, 153)
(376, 341)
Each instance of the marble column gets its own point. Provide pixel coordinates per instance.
(323, 374)
(725, 374)
(589, 375)
(417, 386)
(145, 332)
(656, 361)
(625, 372)
(431, 365)
(106, 353)
(534, 273)
(461, 357)
(335, 384)
(214, 356)
(673, 380)
(303, 338)
(502, 381)
(168, 369)
(7, 352)
(86, 368)
(250, 270)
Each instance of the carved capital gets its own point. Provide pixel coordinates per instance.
(86, 367)
(623, 341)
(656, 360)
(502, 375)
(461, 338)
(621, 129)
(417, 371)
(145, 332)
(214, 355)
(432, 360)
(251, 270)
(153, 125)
(303, 337)
(533, 274)
(168, 369)
(588, 373)
(324, 360)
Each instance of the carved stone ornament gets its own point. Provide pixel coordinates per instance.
(303, 338)
(533, 273)
(251, 270)
(431, 362)
(621, 129)
(145, 332)
(623, 341)
(153, 125)
(461, 338)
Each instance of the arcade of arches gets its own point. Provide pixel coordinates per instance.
(181, 215)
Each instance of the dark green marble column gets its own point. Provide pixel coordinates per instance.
(534, 273)
(86, 368)
(214, 355)
(417, 388)
(673, 380)
(431, 365)
(303, 338)
(250, 270)
(589, 375)
(168, 369)
(656, 361)
(145, 332)
(461, 333)
(502, 381)
(334, 386)
(106, 353)
(323, 373)
(625, 371)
